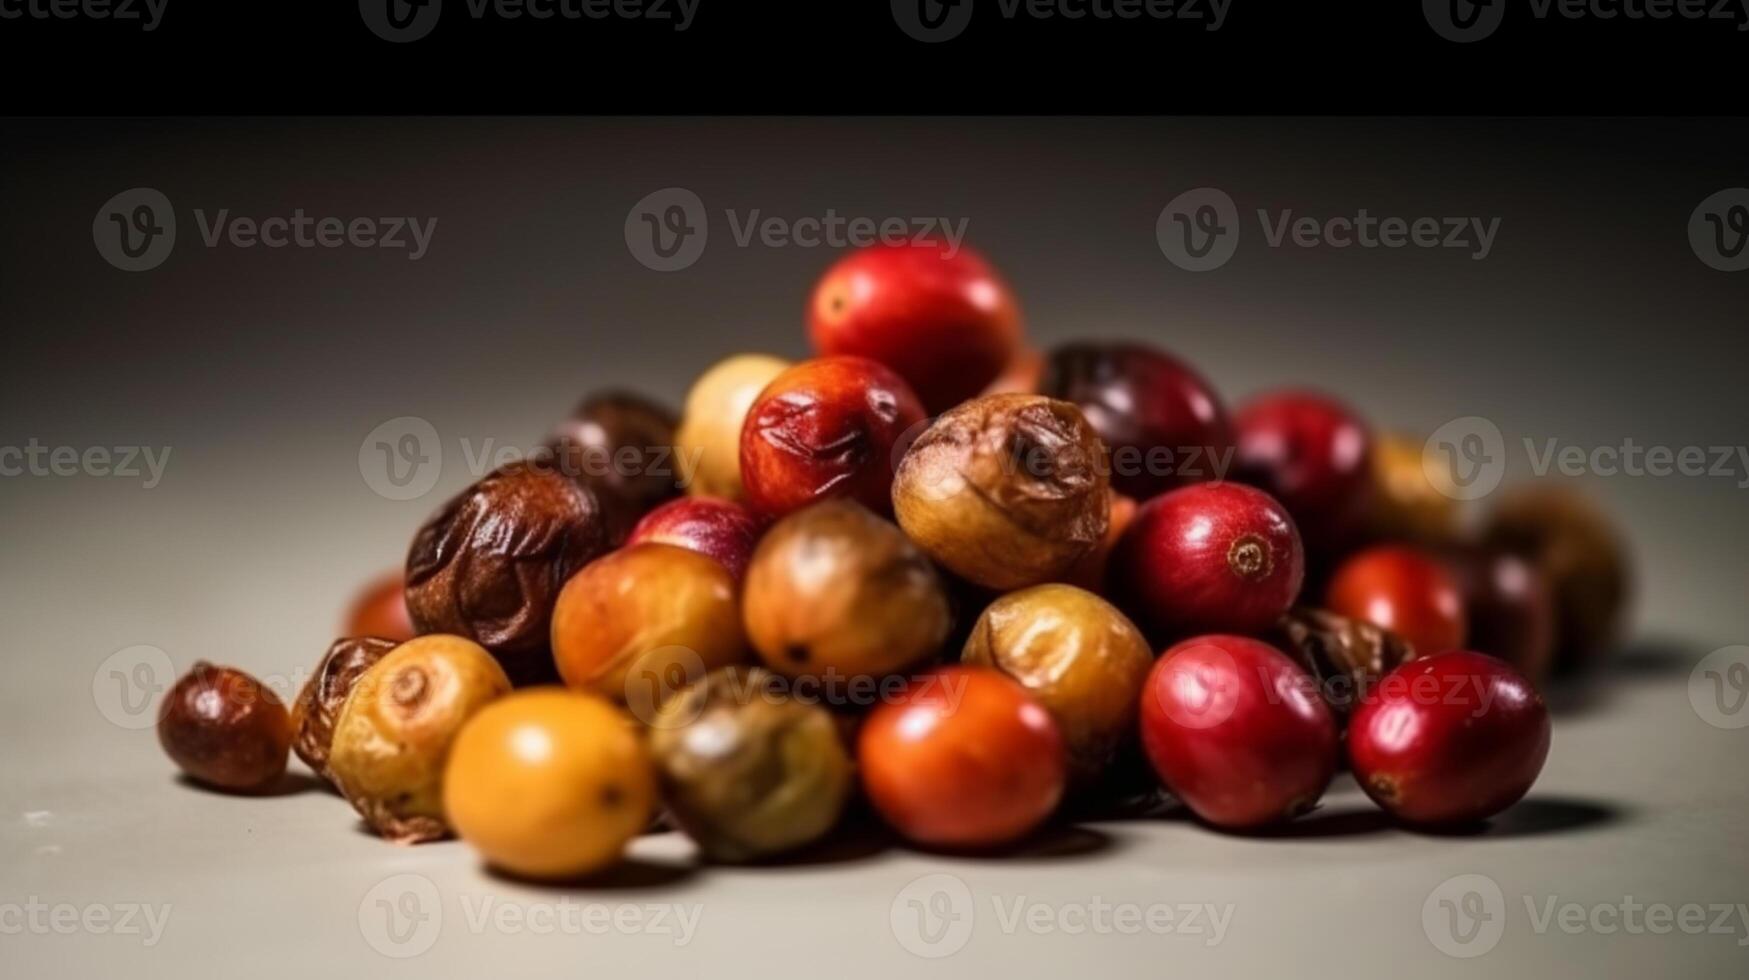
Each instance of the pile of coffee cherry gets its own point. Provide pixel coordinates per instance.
(936, 575)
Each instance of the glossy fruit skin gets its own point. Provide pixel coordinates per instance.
(550, 784)
(395, 730)
(1404, 590)
(1207, 558)
(712, 526)
(1510, 609)
(946, 323)
(225, 729)
(381, 610)
(1314, 454)
(636, 624)
(1408, 503)
(963, 758)
(1161, 422)
(826, 428)
(748, 771)
(620, 445)
(1449, 739)
(1583, 557)
(835, 590)
(1078, 657)
(324, 695)
(489, 565)
(1005, 491)
(708, 443)
(1237, 731)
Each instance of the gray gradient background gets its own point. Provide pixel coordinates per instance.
(1591, 322)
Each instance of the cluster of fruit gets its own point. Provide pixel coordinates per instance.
(746, 639)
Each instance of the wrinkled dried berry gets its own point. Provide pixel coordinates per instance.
(1006, 490)
(318, 706)
(1345, 656)
(490, 564)
(394, 732)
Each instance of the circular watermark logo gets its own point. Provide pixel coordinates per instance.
(402, 458)
(400, 21)
(401, 916)
(1199, 229)
(1718, 230)
(658, 676)
(135, 230)
(667, 229)
(1464, 916)
(1200, 689)
(932, 917)
(1718, 688)
(1465, 459)
(1464, 21)
(129, 682)
(932, 21)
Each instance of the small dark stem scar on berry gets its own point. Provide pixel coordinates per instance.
(1248, 557)
(797, 653)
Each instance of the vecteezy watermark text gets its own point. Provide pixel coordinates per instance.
(1208, 696)
(1465, 21)
(934, 916)
(667, 230)
(300, 230)
(38, 918)
(1465, 916)
(1466, 459)
(126, 462)
(668, 670)
(933, 21)
(1199, 230)
(136, 231)
(402, 21)
(402, 459)
(402, 916)
(148, 14)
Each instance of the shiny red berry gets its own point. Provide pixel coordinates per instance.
(1404, 590)
(1207, 558)
(1450, 739)
(1314, 454)
(1237, 731)
(934, 312)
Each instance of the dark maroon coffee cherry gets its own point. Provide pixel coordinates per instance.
(620, 445)
(1449, 739)
(1314, 454)
(1163, 425)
